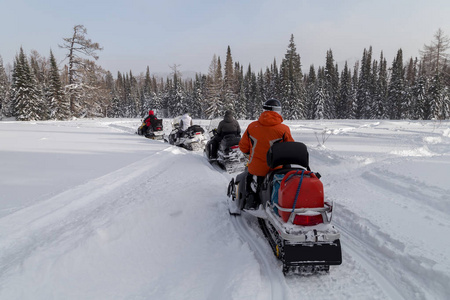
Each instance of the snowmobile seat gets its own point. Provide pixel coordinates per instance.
(157, 125)
(229, 140)
(283, 158)
(288, 153)
(194, 128)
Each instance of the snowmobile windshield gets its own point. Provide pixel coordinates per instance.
(214, 124)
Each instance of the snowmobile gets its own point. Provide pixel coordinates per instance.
(192, 139)
(293, 215)
(154, 132)
(229, 157)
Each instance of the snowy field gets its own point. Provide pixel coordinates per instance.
(89, 210)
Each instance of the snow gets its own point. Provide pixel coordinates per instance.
(89, 210)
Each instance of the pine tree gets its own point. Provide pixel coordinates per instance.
(77, 45)
(27, 104)
(435, 93)
(229, 84)
(331, 87)
(310, 87)
(5, 106)
(320, 95)
(363, 93)
(293, 98)
(214, 89)
(372, 105)
(177, 100)
(250, 90)
(396, 90)
(381, 89)
(354, 92)
(147, 94)
(59, 107)
(343, 105)
(198, 99)
(410, 83)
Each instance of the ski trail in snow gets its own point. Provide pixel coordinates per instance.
(356, 250)
(276, 279)
(67, 218)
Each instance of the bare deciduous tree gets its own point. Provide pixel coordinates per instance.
(434, 55)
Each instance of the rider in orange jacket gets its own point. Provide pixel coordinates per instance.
(259, 137)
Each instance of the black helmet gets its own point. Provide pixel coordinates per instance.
(273, 105)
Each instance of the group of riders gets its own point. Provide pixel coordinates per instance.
(259, 136)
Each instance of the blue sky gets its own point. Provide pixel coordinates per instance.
(159, 34)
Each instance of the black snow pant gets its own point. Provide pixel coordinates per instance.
(252, 197)
(214, 146)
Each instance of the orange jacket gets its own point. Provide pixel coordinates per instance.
(258, 138)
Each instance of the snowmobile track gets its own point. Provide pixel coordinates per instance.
(357, 250)
(277, 281)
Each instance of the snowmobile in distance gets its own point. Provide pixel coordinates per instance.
(229, 156)
(192, 139)
(293, 215)
(154, 132)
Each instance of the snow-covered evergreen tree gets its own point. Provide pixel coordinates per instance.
(5, 106)
(310, 87)
(229, 81)
(59, 107)
(320, 95)
(147, 94)
(381, 89)
(214, 89)
(331, 87)
(293, 94)
(27, 104)
(396, 90)
(363, 92)
(343, 104)
(435, 93)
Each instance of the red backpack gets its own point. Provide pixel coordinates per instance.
(301, 189)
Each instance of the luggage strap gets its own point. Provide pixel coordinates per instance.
(298, 188)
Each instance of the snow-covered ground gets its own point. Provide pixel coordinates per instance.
(89, 210)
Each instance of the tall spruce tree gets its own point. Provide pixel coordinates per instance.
(214, 89)
(310, 86)
(251, 91)
(198, 98)
(229, 82)
(293, 95)
(343, 104)
(320, 95)
(146, 94)
(396, 90)
(331, 87)
(5, 106)
(363, 93)
(435, 94)
(27, 104)
(381, 89)
(59, 107)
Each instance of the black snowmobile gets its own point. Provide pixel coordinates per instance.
(229, 157)
(192, 138)
(293, 214)
(154, 132)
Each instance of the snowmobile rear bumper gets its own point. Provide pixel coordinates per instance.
(312, 254)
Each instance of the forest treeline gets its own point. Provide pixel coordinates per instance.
(413, 88)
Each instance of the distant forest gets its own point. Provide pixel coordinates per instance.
(414, 88)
